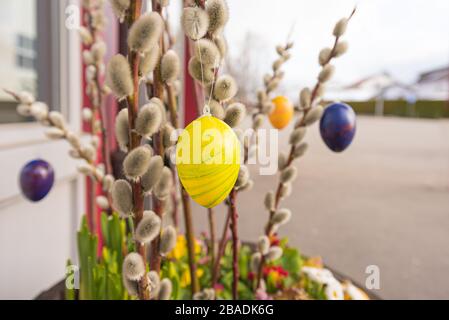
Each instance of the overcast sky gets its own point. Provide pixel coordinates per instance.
(403, 37)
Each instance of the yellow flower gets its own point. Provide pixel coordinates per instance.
(186, 279)
(180, 249)
(275, 276)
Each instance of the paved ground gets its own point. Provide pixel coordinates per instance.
(384, 202)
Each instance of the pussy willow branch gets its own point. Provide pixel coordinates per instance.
(235, 244)
(135, 140)
(96, 100)
(259, 105)
(212, 238)
(79, 150)
(221, 248)
(172, 103)
(158, 205)
(291, 157)
(97, 103)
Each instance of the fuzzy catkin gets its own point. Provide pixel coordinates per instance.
(74, 154)
(102, 202)
(161, 106)
(153, 281)
(122, 198)
(261, 96)
(340, 27)
(324, 56)
(168, 240)
(313, 115)
(167, 132)
(269, 201)
(88, 152)
(225, 88)
(277, 64)
(137, 162)
(216, 109)
(267, 107)
(222, 45)
(87, 114)
(203, 74)
(85, 169)
(148, 120)
(73, 139)
(149, 61)
(282, 161)
(131, 286)
(121, 129)
(242, 177)
(145, 32)
(133, 266)
(206, 294)
(280, 50)
(86, 36)
(256, 259)
(234, 114)
(54, 133)
(304, 98)
(258, 121)
(206, 52)
(165, 289)
(153, 174)
(118, 77)
(282, 216)
(98, 51)
(26, 98)
(119, 7)
(300, 150)
(341, 48)
(274, 253)
(170, 66)
(218, 15)
(148, 228)
(263, 244)
(326, 73)
(286, 190)
(247, 186)
(288, 174)
(57, 119)
(108, 181)
(162, 188)
(297, 135)
(273, 84)
(195, 22)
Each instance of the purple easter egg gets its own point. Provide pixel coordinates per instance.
(337, 126)
(36, 179)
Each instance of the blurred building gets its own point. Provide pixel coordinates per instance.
(363, 89)
(433, 85)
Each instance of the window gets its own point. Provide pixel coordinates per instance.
(26, 52)
(18, 54)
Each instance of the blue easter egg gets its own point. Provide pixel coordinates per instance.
(337, 126)
(36, 179)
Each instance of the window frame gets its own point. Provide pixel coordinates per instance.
(59, 74)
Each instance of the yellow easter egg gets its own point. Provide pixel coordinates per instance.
(208, 160)
(282, 112)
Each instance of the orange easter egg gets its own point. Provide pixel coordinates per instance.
(282, 112)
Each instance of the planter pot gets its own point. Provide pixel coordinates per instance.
(57, 291)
